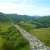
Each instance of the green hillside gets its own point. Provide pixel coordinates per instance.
(40, 22)
(11, 39)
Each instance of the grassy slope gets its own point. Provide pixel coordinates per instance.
(16, 35)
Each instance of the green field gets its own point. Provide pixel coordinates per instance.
(43, 34)
(11, 39)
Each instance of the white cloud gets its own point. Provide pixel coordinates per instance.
(7, 7)
(32, 10)
(24, 9)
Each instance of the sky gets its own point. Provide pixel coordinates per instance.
(26, 7)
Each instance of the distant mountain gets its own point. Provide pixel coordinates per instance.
(3, 17)
(43, 21)
(15, 18)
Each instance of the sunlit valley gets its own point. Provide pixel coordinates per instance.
(11, 37)
(24, 24)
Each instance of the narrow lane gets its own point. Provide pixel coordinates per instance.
(35, 44)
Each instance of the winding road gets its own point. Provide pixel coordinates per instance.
(35, 44)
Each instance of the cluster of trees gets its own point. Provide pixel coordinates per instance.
(12, 40)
